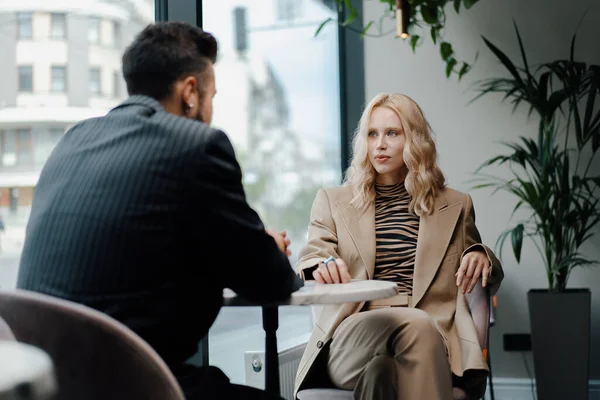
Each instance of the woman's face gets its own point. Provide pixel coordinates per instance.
(385, 141)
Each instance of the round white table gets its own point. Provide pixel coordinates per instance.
(26, 372)
(311, 293)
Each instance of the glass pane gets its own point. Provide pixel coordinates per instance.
(58, 26)
(281, 83)
(117, 84)
(116, 33)
(95, 81)
(25, 27)
(30, 131)
(25, 78)
(24, 146)
(58, 80)
(93, 30)
(9, 148)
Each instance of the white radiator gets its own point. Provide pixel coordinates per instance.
(289, 359)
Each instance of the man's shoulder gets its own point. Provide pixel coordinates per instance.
(187, 129)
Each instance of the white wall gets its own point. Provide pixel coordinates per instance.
(468, 134)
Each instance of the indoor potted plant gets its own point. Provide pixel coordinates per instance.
(554, 186)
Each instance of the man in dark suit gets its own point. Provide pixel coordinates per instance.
(141, 213)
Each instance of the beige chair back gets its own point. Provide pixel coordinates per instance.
(95, 356)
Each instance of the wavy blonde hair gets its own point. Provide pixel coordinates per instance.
(424, 179)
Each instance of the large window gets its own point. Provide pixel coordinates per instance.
(278, 100)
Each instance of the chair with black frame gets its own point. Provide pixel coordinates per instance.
(482, 312)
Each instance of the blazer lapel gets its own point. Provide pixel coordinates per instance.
(435, 232)
(361, 227)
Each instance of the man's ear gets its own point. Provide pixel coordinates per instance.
(190, 86)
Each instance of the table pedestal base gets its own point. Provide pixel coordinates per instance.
(270, 325)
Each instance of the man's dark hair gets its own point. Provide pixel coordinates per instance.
(163, 53)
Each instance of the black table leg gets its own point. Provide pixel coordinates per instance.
(270, 325)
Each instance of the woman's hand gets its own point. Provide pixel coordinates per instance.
(335, 271)
(474, 265)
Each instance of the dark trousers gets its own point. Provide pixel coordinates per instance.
(210, 383)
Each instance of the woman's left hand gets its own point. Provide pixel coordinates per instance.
(473, 266)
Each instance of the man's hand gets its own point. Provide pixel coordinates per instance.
(335, 271)
(282, 241)
(474, 265)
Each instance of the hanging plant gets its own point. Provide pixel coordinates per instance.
(421, 18)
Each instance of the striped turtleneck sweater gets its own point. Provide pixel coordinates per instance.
(396, 231)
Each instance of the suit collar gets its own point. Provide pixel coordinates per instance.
(147, 102)
(360, 224)
(435, 233)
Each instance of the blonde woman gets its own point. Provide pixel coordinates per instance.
(394, 219)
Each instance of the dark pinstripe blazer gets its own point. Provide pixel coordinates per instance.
(142, 215)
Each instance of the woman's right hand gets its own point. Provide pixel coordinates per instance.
(336, 271)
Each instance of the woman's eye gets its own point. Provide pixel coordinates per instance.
(372, 134)
(392, 133)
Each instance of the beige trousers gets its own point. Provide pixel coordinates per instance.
(390, 353)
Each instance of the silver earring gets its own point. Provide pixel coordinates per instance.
(191, 105)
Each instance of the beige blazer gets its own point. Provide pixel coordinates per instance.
(340, 230)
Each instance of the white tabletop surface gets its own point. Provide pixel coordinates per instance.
(316, 293)
(22, 364)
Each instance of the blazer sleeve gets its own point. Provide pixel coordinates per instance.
(322, 237)
(251, 264)
(473, 242)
